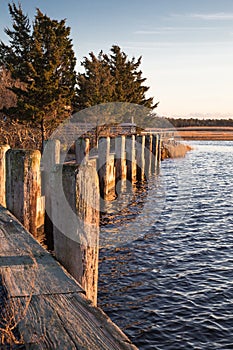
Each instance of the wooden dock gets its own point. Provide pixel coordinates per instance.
(44, 307)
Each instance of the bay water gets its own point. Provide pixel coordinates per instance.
(166, 257)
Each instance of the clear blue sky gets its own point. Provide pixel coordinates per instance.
(186, 45)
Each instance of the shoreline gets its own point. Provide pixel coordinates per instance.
(174, 149)
(204, 133)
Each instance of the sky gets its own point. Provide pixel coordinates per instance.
(186, 46)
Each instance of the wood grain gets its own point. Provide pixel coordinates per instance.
(56, 313)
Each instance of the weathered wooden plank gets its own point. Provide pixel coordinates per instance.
(44, 302)
(12, 231)
(73, 324)
(23, 280)
(25, 266)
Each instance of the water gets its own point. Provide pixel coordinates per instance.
(169, 283)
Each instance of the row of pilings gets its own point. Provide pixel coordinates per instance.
(64, 197)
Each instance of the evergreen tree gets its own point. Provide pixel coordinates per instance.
(15, 57)
(96, 85)
(128, 79)
(112, 78)
(44, 60)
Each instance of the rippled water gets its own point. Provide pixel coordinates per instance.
(169, 282)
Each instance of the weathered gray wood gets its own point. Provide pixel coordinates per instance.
(120, 158)
(88, 209)
(26, 266)
(140, 156)
(51, 310)
(3, 150)
(159, 149)
(82, 149)
(51, 154)
(131, 158)
(76, 223)
(102, 164)
(51, 157)
(148, 155)
(154, 163)
(82, 327)
(23, 277)
(106, 168)
(23, 186)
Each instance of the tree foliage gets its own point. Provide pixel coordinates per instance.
(42, 58)
(112, 78)
(96, 85)
(7, 97)
(192, 122)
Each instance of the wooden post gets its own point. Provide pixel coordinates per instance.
(159, 149)
(51, 157)
(75, 214)
(120, 158)
(3, 150)
(82, 149)
(154, 164)
(148, 155)
(103, 161)
(112, 144)
(140, 156)
(23, 186)
(131, 158)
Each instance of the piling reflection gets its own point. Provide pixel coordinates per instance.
(122, 217)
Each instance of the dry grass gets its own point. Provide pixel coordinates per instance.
(174, 150)
(204, 133)
(18, 135)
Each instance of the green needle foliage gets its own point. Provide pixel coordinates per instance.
(42, 58)
(112, 78)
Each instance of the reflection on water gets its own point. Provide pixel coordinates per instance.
(122, 213)
(166, 266)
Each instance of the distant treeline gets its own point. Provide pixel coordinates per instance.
(179, 123)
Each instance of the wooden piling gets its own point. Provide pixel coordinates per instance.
(159, 149)
(120, 158)
(76, 223)
(3, 150)
(51, 157)
(112, 144)
(103, 159)
(148, 155)
(154, 163)
(82, 149)
(23, 186)
(131, 158)
(140, 156)
(106, 168)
